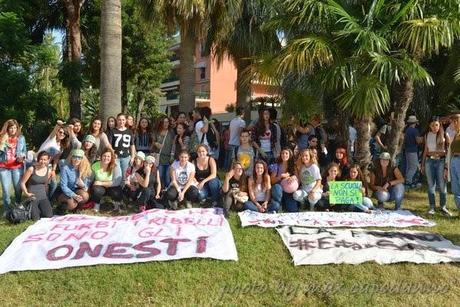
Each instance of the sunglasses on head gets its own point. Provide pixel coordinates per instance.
(77, 157)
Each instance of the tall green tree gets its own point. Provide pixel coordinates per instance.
(189, 17)
(110, 58)
(236, 31)
(349, 50)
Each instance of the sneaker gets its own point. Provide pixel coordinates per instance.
(172, 204)
(380, 206)
(445, 211)
(142, 208)
(431, 212)
(188, 205)
(312, 207)
(97, 207)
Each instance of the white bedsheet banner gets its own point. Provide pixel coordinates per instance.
(80, 240)
(402, 218)
(354, 246)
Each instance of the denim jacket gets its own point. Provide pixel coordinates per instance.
(21, 149)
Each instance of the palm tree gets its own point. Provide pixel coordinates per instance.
(187, 16)
(110, 58)
(347, 47)
(235, 31)
(73, 10)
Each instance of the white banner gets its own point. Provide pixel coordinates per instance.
(80, 240)
(354, 246)
(402, 218)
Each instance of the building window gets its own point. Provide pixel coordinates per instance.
(203, 73)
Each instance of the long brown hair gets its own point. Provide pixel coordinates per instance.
(456, 118)
(7, 125)
(111, 165)
(243, 181)
(265, 176)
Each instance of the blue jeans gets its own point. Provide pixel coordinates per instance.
(8, 178)
(455, 179)
(365, 205)
(434, 170)
(272, 206)
(124, 164)
(211, 189)
(395, 193)
(163, 169)
(229, 156)
(284, 200)
(411, 166)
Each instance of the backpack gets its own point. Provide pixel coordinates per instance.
(211, 137)
(21, 212)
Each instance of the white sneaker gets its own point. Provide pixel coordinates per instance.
(445, 211)
(431, 212)
(97, 207)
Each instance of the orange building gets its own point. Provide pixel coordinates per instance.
(215, 85)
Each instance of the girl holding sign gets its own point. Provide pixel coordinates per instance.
(387, 182)
(310, 177)
(259, 190)
(331, 174)
(355, 174)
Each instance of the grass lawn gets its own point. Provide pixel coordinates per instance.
(264, 275)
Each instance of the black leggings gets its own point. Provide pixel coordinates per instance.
(41, 208)
(97, 192)
(190, 195)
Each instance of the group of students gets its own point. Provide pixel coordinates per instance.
(176, 163)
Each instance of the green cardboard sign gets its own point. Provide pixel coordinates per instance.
(345, 192)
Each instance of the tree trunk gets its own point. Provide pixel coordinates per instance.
(124, 93)
(187, 71)
(110, 58)
(73, 8)
(362, 150)
(140, 107)
(404, 96)
(243, 88)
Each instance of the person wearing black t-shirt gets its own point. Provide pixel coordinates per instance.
(235, 188)
(122, 140)
(149, 189)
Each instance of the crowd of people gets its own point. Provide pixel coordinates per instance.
(264, 166)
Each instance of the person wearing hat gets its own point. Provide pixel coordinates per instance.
(387, 182)
(89, 147)
(411, 142)
(149, 185)
(75, 178)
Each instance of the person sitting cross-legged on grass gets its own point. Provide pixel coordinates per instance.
(148, 179)
(183, 183)
(75, 178)
(259, 187)
(235, 188)
(34, 184)
(284, 181)
(208, 184)
(310, 177)
(355, 174)
(107, 180)
(387, 182)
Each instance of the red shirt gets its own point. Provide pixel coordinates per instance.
(11, 162)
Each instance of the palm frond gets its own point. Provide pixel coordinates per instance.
(305, 55)
(395, 67)
(424, 37)
(367, 97)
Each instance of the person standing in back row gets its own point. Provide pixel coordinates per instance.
(122, 140)
(236, 126)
